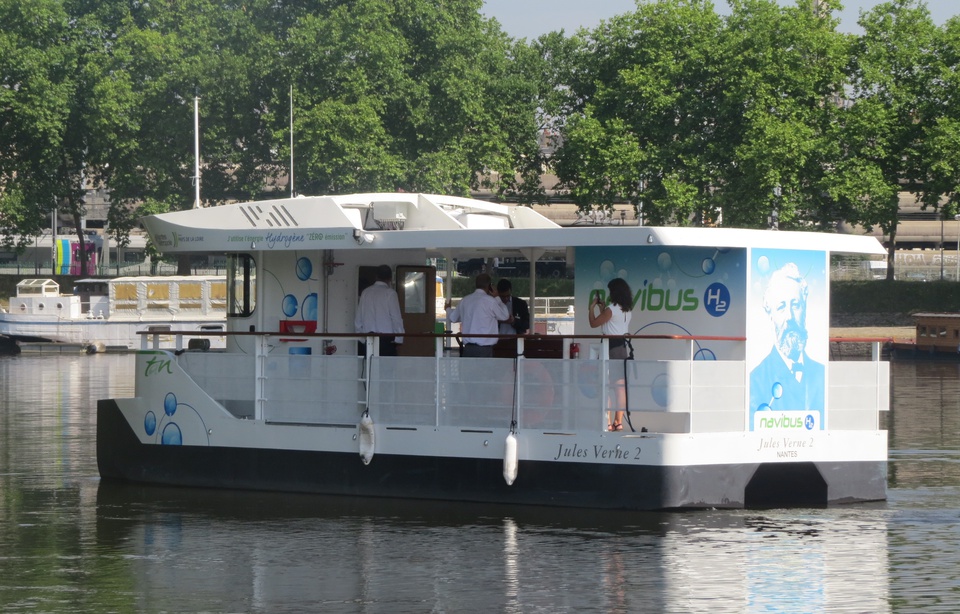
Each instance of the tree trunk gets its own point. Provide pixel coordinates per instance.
(81, 242)
(891, 254)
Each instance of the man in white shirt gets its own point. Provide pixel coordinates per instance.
(479, 314)
(379, 312)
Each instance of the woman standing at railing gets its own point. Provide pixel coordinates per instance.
(614, 320)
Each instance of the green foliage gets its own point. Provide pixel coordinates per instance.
(693, 117)
(897, 297)
(410, 95)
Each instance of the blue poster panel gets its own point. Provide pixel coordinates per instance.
(787, 339)
(676, 291)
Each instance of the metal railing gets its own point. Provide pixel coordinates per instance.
(680, 395)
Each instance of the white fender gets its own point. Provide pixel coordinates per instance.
(366, 438)
(510, 464)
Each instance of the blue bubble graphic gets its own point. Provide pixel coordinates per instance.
(776, 390)
(304, 268)
(708, 266)
(664, 261)
(170, 404)
(308, 311)
(704, 354)
(763, 264)
(589, 373)
(764, 407)
(660, 390)
(289, 305)
(607, 271)
(150, 423)
(171, 435)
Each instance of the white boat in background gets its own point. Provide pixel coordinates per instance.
(107, 314)
(290, 405)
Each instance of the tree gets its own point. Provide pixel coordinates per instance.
(773, 144)
(47, 67)
(706, 119)
(939, 147)
(883, 130)
(641, 104)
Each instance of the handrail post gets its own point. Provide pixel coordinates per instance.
(372, 349)
(604, 380)
(517, 390)
(439, 342)
(259, 368)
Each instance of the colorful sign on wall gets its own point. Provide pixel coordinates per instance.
(676, 290)
(788, 339)
(67, 257)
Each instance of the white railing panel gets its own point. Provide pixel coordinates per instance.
(858, 391)
(560, 395)
(226, 378)
(307, 389)
(656, 385)
(718, 395)
(476, 393)
(403, 390)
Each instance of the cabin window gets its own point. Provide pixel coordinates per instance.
(242, 277)
(414, 292)
(218, 295)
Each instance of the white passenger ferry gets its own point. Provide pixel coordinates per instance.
(731, 397)
(107, 314)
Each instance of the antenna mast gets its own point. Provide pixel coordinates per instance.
(291, 142)
(196, 151)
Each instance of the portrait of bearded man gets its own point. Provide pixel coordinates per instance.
(787, 379)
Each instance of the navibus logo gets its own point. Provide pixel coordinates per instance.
(787, 421)
(716, 299)
(657, 299)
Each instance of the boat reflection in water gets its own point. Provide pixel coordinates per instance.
(250, 551)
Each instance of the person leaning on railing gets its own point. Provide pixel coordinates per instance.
(614, 320)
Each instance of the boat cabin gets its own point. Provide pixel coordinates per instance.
(937, 332)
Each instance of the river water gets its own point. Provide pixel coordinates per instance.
(71, 544)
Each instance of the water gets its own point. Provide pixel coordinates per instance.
(71, 544)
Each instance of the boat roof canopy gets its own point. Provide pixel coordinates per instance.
(443, 225)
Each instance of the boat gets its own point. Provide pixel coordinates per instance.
(107, 314)
(289, 405)
(936, 336)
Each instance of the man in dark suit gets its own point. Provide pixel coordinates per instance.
(787, 379)
(519, 321)
(517, 324)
